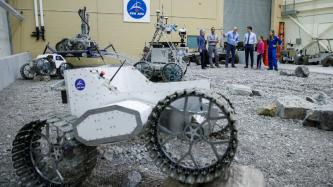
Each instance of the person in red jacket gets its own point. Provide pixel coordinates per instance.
(260, 51)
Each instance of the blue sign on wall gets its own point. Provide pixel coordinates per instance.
(136, 8)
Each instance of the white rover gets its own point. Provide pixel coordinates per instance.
(163, 60)
(189, 131)
(43, 66)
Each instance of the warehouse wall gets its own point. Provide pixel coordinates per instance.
(106, 19)
(315, 17)
(276, 14)
(4, 34)
(242, 13)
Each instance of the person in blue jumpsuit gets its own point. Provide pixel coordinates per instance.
(273, 41)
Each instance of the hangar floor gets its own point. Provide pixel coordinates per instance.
(285, 151)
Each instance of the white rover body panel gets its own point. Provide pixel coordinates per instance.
(114, 111)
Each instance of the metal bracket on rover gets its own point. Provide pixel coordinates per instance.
(163, 60)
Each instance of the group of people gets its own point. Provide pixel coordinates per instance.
(232, 40)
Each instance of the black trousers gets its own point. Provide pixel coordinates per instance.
(204, 58)
(232, 49)
(259, 61)
(249, 49)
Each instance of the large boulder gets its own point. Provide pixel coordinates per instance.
(302, 71)
(269, 110)
(236, 176)
(293, 107)
(237, 89)
(321, 117)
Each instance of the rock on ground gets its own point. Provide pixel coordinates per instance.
(269, 110)
(237, 89)
(320, 98)
(321, 117)
(285, 73)
(302, 71)
(292, 107)
(256, 93)
(236, 176)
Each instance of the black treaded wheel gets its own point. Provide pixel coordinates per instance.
(41, 159)
(26, 72)
(145, 68)
(236, 59)
(62, 45)
(185, 68)
(79, 46)
(306, 60)
(172, 72)
(191, 121)
(62, 68)
(327, 61)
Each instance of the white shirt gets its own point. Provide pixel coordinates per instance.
(253, 38)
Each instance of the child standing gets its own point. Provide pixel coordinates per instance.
(260, 51)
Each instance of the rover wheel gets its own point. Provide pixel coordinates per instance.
(47, 155)
(26, 72)
(79, 46)
(298, 60)
(306, 60)
(192, 137)
(145, 68)
(197, 60)
(326, 62)
(62, 68)
(62, 45)
(172, 72)
(184, 68)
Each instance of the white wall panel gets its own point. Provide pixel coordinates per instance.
(315, 17)
(4, 35)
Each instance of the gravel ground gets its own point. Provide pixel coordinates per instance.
(287, 153)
